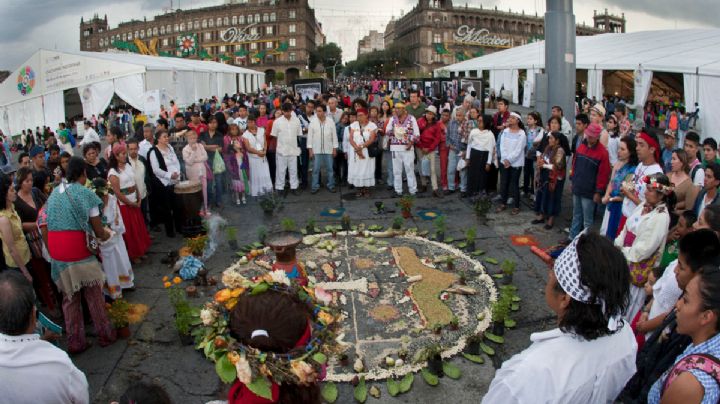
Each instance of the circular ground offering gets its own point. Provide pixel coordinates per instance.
(402, 297)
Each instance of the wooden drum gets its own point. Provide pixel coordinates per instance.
(189, 196)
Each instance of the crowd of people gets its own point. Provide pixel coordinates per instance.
(636, 301)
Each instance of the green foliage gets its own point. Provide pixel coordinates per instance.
(451, 370)
(487, 349)
(225, 369)
(326, 55)
(508, 267)
(184, 312)
(393, 387)
(440, 224)
(494, 338)
(231, 233)
(406, 203)
(261, 387)
(262, 232)
(502, 306)
(429, 378)
(361, 391)
(491, 261)
(382, 62)
(118, 313)
(407, 382)
(288, 224)
(470, 234)
(482, 206)
(473, 358)
(329, 392)
(311, 223)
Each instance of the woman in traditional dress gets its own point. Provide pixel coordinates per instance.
(361, 167)
(122, 180)
(550, 180)
(73, 214)
(195, 158)
(115, 262)
(27, 205)
(236, 163)
(643, 238)
(623, 169)
(254, 143)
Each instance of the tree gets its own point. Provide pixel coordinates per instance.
(326, 55)
(387, 62)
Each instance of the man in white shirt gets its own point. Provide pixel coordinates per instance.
(333, 111)
(32, 370)
(591, 355)
(322, 144)
(148, 138)
(403, 131)
(287, 129)
(90, 135)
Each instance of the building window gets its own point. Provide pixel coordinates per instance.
(222, 48)
(211, 23)
(269, 30)
(226, 21)
(268, 45)
(136, 35)
(273, 17)
(167, 29)
(253, 30)
(291, 14)
(207, 36)
(292, 41)
(437, 38)
(142, 34)
(196, 24)
(253, 46)
(149, 32)
(219, 22)
(291, 56)
(182, 26)
(266, 17)
(257, 17)
(124, 37)
(291, 28)
(165, 42)
(234, 20)
(162, 30)
(87, 44)
(86, 33)
(241, 19)
(155, 31)
(204, 23)
(250, 19)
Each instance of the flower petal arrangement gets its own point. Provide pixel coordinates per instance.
(251, 366)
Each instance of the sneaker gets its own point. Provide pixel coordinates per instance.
(332, 190)
(243, 200)
(314, 191)
(237, 201)
(397, 195)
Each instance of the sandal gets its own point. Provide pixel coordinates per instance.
(515, 211)
(500, 208)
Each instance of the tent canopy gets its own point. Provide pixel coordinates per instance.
(695, 51)
(33, 94)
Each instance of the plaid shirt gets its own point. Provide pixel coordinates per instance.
(712, 390)
(454, 135)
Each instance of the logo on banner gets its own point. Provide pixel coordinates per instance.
(234, 34)
(26, 80)
(480, 37)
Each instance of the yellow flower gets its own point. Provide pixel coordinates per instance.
(233, 357)
(326, 318)
(430, 214)
(231, 303)
(332, 211)
(265, 371)
(223, 295)
(167, 284)
(165, 278)
(177, 280)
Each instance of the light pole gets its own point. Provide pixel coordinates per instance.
(335, 64)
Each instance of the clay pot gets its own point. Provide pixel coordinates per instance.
(123, 332)
(406, 214)
(435, 365)
(191, 291)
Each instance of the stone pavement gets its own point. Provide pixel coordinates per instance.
(154, 350)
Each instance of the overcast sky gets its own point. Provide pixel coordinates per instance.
(54, 24)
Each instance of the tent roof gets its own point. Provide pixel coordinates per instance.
(675, 51)
(57, 71)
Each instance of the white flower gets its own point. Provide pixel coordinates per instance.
(233, 279)
(244, 373)
(208, 316)
(279, 276)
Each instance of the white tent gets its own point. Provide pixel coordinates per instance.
(33, 94)
(695, 53)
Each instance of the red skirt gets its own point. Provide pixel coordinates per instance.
(137, 238)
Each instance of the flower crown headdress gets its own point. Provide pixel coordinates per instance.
(652, 182)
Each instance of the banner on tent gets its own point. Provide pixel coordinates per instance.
(152, 104)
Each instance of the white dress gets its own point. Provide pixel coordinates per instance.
(361, 172)
(115, 260)
(260, 182)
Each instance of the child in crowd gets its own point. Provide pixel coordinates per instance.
(237, 163)
(115, 259)
(195, 158)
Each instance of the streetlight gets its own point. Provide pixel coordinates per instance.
(335, 64)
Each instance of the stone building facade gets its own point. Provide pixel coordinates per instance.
(435, 33)
(374, 41)
(272, 36)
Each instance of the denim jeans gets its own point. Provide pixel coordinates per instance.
(583, 215)
(319, 161)
(453, 160)
(215, 189)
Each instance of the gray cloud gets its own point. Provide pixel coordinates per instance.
(702, 11)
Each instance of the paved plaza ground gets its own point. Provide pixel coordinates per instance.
(154, 350)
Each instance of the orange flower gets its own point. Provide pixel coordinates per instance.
(326, 318)
(167, 284)
(223, 295)
(165, 278)
(177, 280)
(233, 357)
(231, 303)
